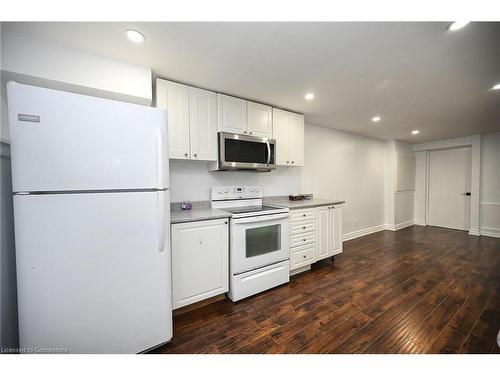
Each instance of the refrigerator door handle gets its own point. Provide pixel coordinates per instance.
(161, 221)
(159, 136)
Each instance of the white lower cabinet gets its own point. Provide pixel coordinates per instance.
(200, 252)
(315, 234)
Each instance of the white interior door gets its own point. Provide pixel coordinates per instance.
(93, 271)
(449, 181)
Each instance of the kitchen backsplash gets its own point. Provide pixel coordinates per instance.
(192, 181)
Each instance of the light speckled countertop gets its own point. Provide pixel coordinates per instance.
(294, 205)
(196, 214)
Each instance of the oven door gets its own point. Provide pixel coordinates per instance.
(259, 241)
(238, 151)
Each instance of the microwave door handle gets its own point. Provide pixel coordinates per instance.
(268, 152)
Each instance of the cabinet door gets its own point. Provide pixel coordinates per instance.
(324, 245)
(203, 124)
(260, 120)
(296, 139)
(175, 99)
(199, 261)
(281, 133)
(336, 231)
(232, 113)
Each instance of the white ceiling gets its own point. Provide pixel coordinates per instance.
(415, 75)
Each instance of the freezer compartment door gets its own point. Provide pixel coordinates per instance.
(93, 271)
(65, 141)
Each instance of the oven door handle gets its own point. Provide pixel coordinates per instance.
(268, 152)
(262, 218)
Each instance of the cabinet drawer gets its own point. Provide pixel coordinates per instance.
(302, 215)
(301, 256)
(302, 239)
(302, 227)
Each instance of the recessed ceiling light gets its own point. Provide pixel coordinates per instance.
(376, 118)
(134, 36)
(309, 96)
(457, 25)
(415, 132)
(496, 87)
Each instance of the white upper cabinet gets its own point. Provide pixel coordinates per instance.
(175, 99)
(260, 120)
(232, 114)
(297, 140)
(203, 124)
(281, 133)
(288, 131)
(243, 117)
(192, 120)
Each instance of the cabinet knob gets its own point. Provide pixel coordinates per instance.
(293, 161)
(303, 239)
(303, 227)
(245, 132)
(287, 162)
(225, 222)
(304, 256)
(251, 133)
(185, 154)
(304, 215)
(195, 155)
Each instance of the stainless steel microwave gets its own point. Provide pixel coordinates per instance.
(245, 152)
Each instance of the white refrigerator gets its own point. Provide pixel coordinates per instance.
(91, 210)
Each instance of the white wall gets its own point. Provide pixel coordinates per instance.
(35, 61)
(420, 187)
(338, 165)
(490, 184)
(191, 180)
(399, 185)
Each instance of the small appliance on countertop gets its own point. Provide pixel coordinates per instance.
(259, 240)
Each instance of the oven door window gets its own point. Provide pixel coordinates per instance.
(240, 151)
(262, 240)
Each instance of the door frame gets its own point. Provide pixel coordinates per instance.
(473, 142)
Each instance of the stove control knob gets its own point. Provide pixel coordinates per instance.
(251, 190)
(256, 190)
(225, 190)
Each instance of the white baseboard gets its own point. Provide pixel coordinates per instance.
(362, 232)
(474, 232)
(400, 225)
(490, 232)
(420, 222)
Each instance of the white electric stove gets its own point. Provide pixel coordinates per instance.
(259, 240)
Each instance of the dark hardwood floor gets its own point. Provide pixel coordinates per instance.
(417, 290)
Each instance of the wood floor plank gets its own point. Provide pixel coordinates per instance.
(416, 290)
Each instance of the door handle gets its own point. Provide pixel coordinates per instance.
(268, 152)
(161, 221)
